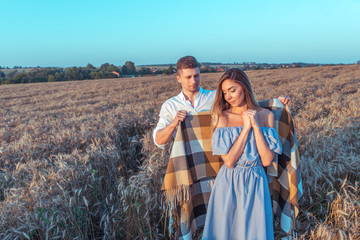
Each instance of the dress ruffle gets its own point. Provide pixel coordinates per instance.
(223, 139)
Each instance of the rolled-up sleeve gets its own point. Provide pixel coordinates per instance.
(165, 118)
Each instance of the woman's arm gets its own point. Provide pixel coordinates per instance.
(238, 147)
(266, 155)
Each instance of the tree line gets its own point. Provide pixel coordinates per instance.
(54, 74)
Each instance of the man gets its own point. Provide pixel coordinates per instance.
(191, 99)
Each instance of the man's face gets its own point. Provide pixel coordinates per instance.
(189, 79)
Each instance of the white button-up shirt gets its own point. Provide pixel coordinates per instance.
(203, 102)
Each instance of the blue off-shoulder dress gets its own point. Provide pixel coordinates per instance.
(240, 204)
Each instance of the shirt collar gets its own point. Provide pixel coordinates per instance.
(182, 96)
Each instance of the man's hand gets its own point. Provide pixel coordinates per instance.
(164, 135)
(284, 100)
(179, 117)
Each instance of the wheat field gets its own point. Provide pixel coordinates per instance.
(77, 159)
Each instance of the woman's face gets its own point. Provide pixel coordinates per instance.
(233, 93)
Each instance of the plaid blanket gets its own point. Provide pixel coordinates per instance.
(190, 174)
(192, 169)
(284, 174)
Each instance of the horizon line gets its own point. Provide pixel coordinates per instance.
(174, 64)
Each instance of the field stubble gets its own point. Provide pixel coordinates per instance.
(77, 158)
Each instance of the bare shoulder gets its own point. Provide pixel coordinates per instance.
(266, 117)
(264, 112)
(223, 121)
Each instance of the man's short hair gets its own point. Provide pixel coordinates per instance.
(187, 62)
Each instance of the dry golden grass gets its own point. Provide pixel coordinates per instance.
(77, 159)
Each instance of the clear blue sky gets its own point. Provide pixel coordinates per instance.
(75, 33)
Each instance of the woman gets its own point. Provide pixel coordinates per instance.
(244, 136)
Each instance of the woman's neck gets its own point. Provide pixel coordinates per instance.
(239, 109)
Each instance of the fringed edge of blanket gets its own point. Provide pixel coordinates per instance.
(178, 199)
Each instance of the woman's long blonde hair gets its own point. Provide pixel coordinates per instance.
(220, 105)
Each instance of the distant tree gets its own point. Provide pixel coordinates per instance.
(104, 67)
(170, 70)
(358, 62)
(2, 74)
(51, 78)
(97, 75)
(12, 74)
(21, 78)
(75, 73)
(60, 76)
(145, 71)
(129, 67)
(90, 66)
(112, 68)
(39, 79)
(158, 71)
(124, 70)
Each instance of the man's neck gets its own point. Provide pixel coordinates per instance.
(191, 96)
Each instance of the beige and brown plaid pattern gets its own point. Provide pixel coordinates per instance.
(284, 174)
(190, 173)
(191, 157)
(192, 169)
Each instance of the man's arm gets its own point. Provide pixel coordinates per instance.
(162, 136)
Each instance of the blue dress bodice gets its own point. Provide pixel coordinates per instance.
(224, 137)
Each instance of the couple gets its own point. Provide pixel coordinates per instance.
(239, 205)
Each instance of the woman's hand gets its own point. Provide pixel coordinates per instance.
(253, 117)
(246, 121)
